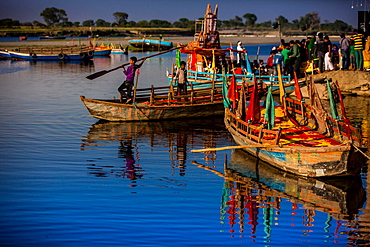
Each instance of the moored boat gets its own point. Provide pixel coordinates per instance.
(52, 37)
(158, 103)
(23, 38)
(4, 54)
(102, 50)
(52, 53)
(150, 44)
(296, 137)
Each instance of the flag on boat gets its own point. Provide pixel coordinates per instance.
(240, 112)
(232, 93)
(281, 89)
(270, 109)
(226, 100)
(248, 64)
(317, 108)
(297, 89)
(333, 108)
(178, 58)
(344, 114)
(254, 113)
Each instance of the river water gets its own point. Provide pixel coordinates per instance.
(67, 179)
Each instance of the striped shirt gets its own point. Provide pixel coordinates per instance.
(358, 39)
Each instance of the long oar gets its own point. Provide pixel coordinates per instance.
(103, 72)
(233, 147)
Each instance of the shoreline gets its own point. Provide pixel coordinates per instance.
(225, 40)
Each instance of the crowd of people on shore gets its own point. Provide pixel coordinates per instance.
(315, 53)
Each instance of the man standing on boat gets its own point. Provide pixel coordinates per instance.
(129, 82)
(181, 76)
(240, 55)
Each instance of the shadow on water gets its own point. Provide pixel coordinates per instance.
(175, 137)
(254, 190)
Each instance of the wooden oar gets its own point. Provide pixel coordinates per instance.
(103, 72)
(233, 147)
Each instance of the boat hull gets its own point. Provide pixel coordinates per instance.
(340, 160)
(150, 45)
(115, 111)
(34, 56)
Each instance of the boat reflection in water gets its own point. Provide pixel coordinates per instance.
(177, 137)
(255, 190)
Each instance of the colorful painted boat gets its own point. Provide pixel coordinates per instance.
(102, 50)
(296, 137)
(52, 53)
(4, 54)
(158, 103)
(118, 49)
(206, 59)
(150, 44)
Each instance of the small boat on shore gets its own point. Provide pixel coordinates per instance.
(101, 50)
(150, 44)
(50, 53)
(23, 38)
(296, 137)
(53, 37)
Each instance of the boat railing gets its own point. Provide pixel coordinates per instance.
(207, 93)
(338, 128)
(257, 134)
(198, 75)
(53, 50)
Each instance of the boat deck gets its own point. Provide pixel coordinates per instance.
(301, 136)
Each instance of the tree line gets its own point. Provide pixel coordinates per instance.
(55, 17)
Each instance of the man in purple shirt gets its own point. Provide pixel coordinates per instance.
(129, 82)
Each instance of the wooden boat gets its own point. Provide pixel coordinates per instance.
(150, 44)
(52, 53)
(206, 59)
(299, 138)
(4, 54)
(52, 37)
(158, 103)
(102, 50)
(118, 49)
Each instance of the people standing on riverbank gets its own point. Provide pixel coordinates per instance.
(129, 82)
(320, 51)
(296, 56)
(344, 51)
(328, 54)
(358, 40)
(288, 69)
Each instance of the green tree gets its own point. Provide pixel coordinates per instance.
(250, 19)
(120, 18)
(282, 20)
(159, 23)
(88, 23)
(52, 16)
(102, 23)
(142, 23)
(8, 22)
(131, 24)
(310, 21)
(76, 24)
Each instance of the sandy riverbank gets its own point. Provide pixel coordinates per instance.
(182, 39)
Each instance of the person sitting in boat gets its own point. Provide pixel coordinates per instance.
(129, 82)
(181, 76)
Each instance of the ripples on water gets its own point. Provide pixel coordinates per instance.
(70, 180)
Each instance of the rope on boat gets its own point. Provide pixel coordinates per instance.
(362, 152)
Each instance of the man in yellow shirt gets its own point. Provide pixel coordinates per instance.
(358, 40)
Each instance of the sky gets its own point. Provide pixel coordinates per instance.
(173, 10)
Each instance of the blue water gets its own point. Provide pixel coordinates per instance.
(67, 179)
